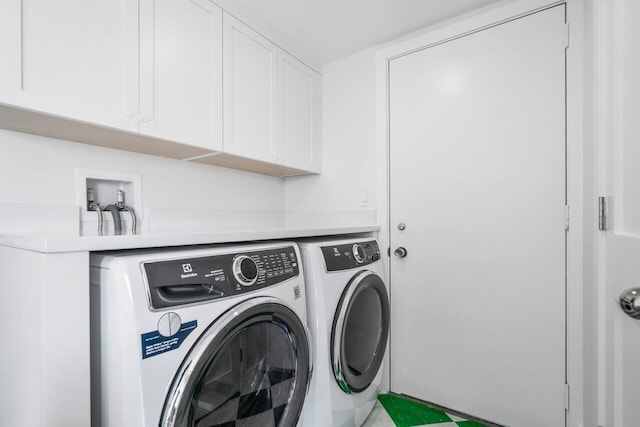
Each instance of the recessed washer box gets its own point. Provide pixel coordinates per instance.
(105, 185)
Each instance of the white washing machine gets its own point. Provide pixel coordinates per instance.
(348, 315)
(199, 337)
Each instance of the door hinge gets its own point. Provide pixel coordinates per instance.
(566, 217)
(566, 397)
(603, 213)
(566, 35)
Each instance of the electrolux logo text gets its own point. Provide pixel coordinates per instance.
(188, 271)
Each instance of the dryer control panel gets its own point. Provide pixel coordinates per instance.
(351, 255)
(190, 280)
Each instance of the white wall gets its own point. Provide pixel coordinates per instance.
(42, 171)
(349, 150)
(37, 170)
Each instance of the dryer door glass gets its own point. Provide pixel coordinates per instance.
(249, 368)
(360, 331)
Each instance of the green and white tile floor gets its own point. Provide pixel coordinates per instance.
(394, 411)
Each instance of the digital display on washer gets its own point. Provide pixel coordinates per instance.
(191, 280)
(350, 255)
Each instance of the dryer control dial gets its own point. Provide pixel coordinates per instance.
(245, 270)
(359, 253)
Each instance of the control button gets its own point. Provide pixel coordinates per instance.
(359, 253)
(375, 257)
(245, 270)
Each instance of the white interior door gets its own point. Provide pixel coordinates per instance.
(477, 175)
(619, 333)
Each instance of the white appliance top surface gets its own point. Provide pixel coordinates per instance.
(74, 242)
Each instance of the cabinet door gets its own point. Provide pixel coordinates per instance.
(73, 58)
(250, 79)
(298, 94)
(181, 71)
(10, 49)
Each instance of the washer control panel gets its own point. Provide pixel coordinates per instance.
(189, 280)
(350, 255)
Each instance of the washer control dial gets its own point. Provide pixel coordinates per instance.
(359, 253)
(245, 270)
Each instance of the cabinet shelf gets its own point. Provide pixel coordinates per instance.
(52, 126)
(250, 165)
(37, 123)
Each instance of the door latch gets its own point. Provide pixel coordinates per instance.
(630, 302)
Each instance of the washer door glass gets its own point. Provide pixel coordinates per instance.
(250, 367)
(360, 331)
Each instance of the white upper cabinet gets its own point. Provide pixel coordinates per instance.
(299, 113)
(250, 103)
(181, 71)
(271, 101)
(73, 58)
(176, 78)
(153, 66)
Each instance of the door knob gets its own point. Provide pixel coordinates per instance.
(402, 226)
(630, 302)
(400, 252)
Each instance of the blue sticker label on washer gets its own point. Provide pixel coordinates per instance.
(154, 343)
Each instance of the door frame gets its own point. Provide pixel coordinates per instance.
(576, 362)
(605, 133)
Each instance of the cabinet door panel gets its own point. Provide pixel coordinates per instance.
(250, 63)
(298, 90)
(77, 58)
(181, 71)
(10, 55)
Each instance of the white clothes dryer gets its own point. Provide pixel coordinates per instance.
(213, 336)
(348, 315)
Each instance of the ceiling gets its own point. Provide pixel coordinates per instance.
(332, 29)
